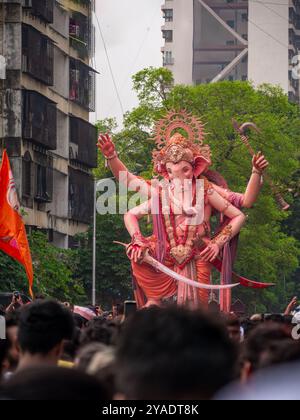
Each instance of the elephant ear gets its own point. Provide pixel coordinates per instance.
(200, 165)
(216, 178)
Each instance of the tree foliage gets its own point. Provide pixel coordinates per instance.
(54, 271)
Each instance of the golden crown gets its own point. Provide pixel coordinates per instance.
(173, 146)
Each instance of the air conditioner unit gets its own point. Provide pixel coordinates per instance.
(73, 151)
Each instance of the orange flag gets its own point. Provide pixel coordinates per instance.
(13, 238)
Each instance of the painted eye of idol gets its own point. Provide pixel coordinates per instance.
(181, 168)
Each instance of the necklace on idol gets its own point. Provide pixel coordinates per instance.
(181, 249)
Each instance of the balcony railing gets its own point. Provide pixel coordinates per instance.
(82, 84)
(83, 139)
(41, 8)
(81, 193)
(37, 179)
(81, 33)
(37, 61)
(39, 119)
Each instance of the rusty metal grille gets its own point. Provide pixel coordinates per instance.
(39, 116)
(81, 193)
(82, 84)
(84, 136)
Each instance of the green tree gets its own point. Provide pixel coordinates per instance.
(54, 271)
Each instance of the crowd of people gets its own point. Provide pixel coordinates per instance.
(54, 352)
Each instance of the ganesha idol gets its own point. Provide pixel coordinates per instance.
(183, 243)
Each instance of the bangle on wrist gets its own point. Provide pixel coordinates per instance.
(111, 157)
(223, 237)
(256, 171)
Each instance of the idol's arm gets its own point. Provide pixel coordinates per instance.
(139, 245)
(254, 186)
(119, 170)
(237, 220)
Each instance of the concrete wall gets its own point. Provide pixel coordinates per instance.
(62, 135)
(61, 20)
(61, 73)
(59, 205)
(268, 43)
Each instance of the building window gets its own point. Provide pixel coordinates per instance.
(168, 59)
(82, 84)
(81, 189)
(44, 184)
(80, 30)
(43, 9)
(231, 23)
(27, 175)
(168, 36)
(83, 139)
(37, 61)
(168, 15)
(39, 119)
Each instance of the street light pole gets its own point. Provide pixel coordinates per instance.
(94, 246)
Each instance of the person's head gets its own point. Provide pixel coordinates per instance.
(173, 353)
(3, 358)
(99, 330)
(52, 384)
(263, 348)
(257, 318)
(79, 321)
(233, 327)
(98, 360)
(276, 318)
(39, 296)
(13, 350)
(117, 310)
(43, 327)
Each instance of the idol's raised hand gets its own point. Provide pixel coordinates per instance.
(259, 162)
(106, 145)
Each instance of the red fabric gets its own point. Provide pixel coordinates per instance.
(151, 285)
(13, 238)
(154, 285)
(204, 277)
(242, 280)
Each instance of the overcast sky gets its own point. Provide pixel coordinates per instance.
(132, 33)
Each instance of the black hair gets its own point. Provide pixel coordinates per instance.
(174, 353)
(264, 343)
(100, 330)
(43, 325)
(52, 384)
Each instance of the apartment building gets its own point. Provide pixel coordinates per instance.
(47, 94)
(211, 40)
